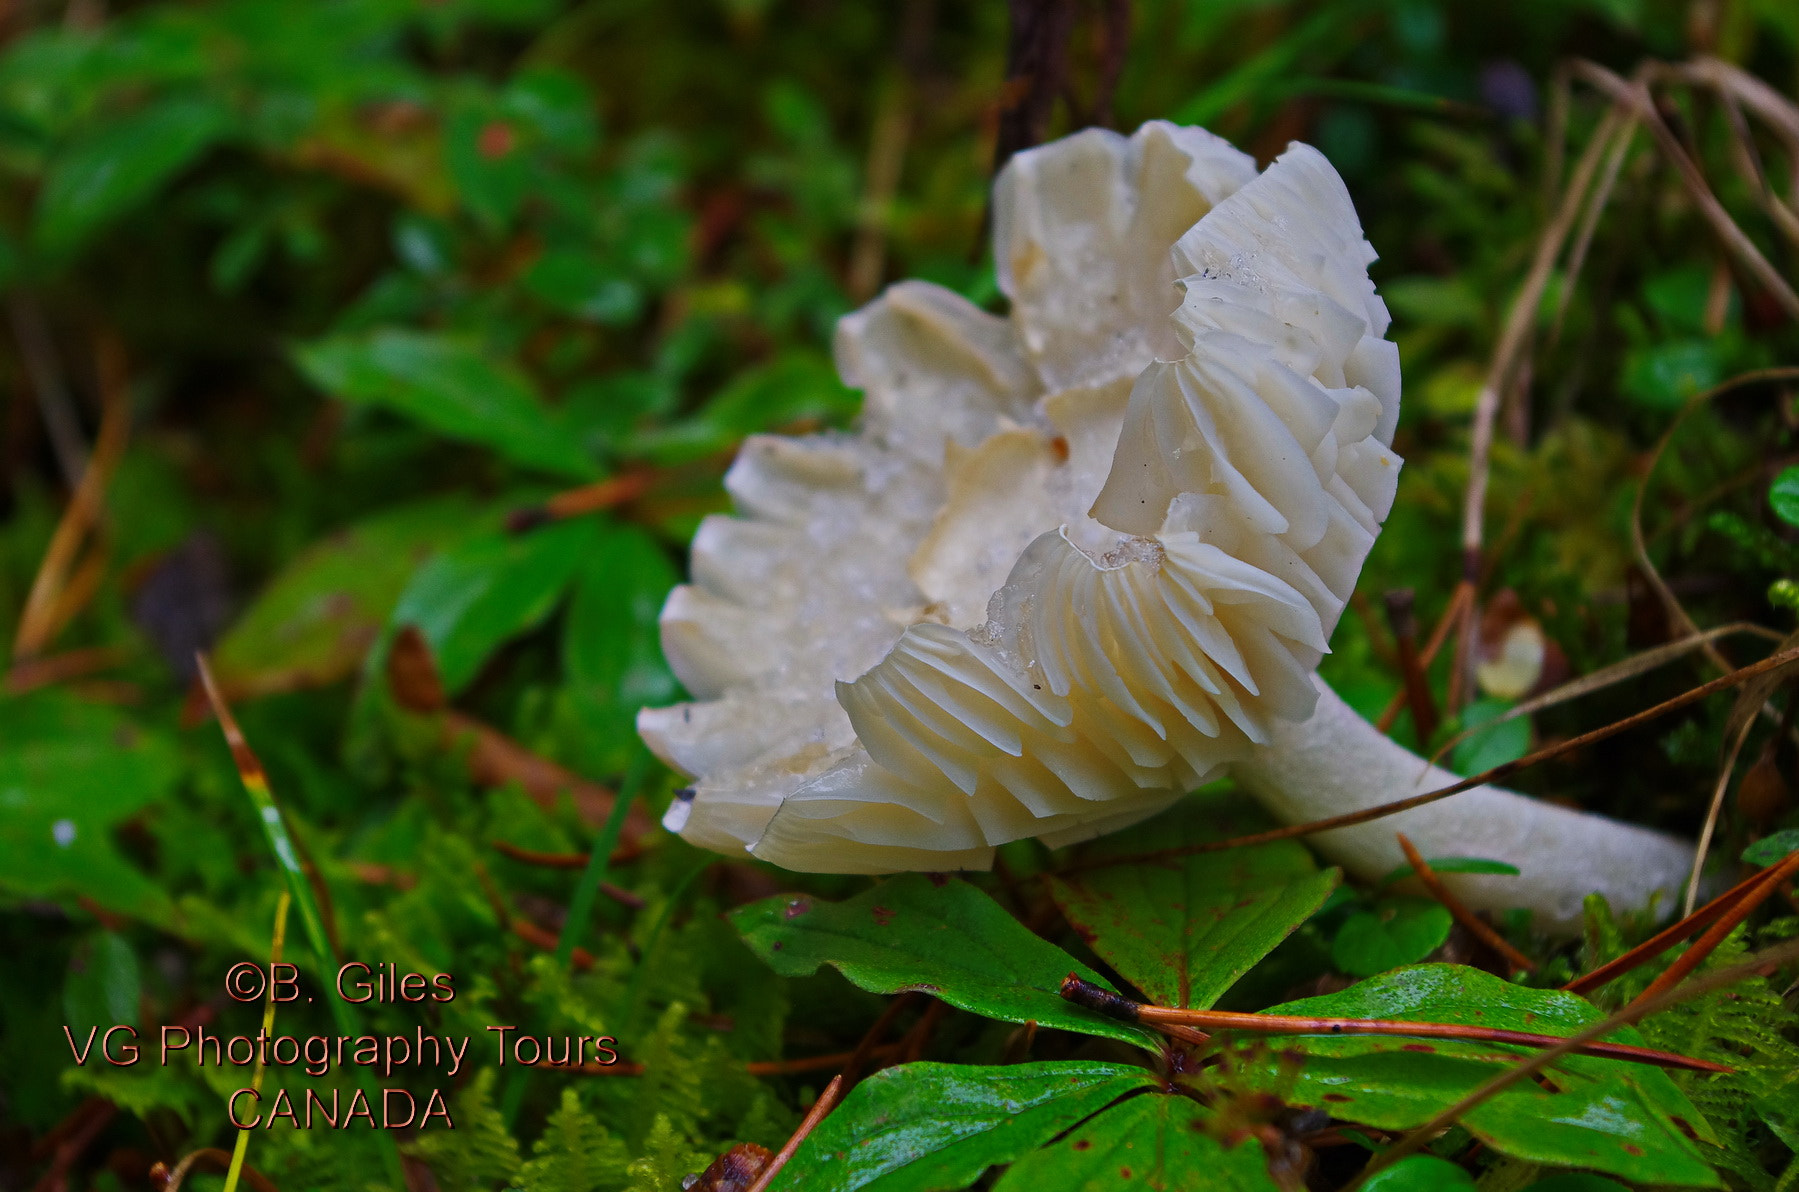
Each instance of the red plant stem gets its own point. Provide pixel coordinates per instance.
(1702, 947)
(826, 1102)
(1085, 993)
(1467, 918)
(1656, 944)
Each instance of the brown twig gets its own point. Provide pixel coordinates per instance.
(1476, 926)
(61, 588)
(1464, 592)
(539, 937)
(1514, 337)
(34, 673)
(826, 1102)
(1662, 940)
(1530, 1066)
(1712, 812)
(589, 498)
(1727, 922)
(1411, 667)
(1367, 815)
(220, 1159)
(493, 758)
(1084, 993)
(1635, 95)
(527, 856)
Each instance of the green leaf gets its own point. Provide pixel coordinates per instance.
(1771, 850)
(488, 589)
(931, 933)
(317, 618)
(1577, 1181)
(69, 772)
(1185, 929)
(1396, 931)
(1783, 496)
(922, 1127)
(102, 986)
(1485, 748)
(1663, 375)
(1453, 865)
(119, 165)
(1420, 1173)
(1154, 1141)
(611, 660)
(579, 283)
(450, 385)
(1625, 1119)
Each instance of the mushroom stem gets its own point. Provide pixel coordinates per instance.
(1337, 762)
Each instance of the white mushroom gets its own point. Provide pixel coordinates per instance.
(1079, 561)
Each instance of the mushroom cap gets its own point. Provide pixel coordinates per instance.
(1074, 561)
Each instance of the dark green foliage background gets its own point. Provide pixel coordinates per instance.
(382, 273)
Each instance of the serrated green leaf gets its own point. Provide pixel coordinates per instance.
(1154, 1141)
(1396, 931)
(923, 1127)
(1184, 930)
(931, 933)
(484, 591)
(316, 619)
(450, 385)
(119, 165)
(1626, 1119)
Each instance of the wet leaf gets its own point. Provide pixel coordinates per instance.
(611, 661)
(1626, 1119)
(1185, 929)
(923, 1127)
(931, 933)
(452, 386)
(1155, 1142)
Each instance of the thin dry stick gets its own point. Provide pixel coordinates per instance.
(1476, 926)
(46, 610)
(1513, 340)
(1529, 1067)
(1369, 814)
(1589, 224)
(1711, 815)
(219, 1159)
(1714, 935)
(1635, 94)
(1085, 993)
(826, 1102)
(1464, 592)
(1627, 668)
(589, 498)
(1662, 940)
(1639, 547)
